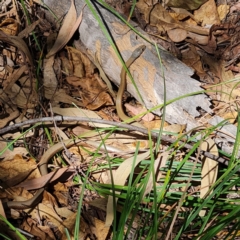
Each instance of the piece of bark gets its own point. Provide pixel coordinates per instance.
(146, 70)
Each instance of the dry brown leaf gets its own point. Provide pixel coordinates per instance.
(155, 124)
(49, 200)
(81, 65)
(223, 10)
(119, 178)
(78, 113)
(18, 194)
(47, 214)
(19, 43)
(61, 96)
(70, 25)
(66, 65)
(177, 34)
(42, 181)
(63, 212)
(17, 97)
(199, 39)
(44, 211)
(209, 169)
(10, 26)
(61, 192)
(160, 162)
(103, 99)
(94, 93)
(69, 223)
(73, 80)
(207, 14)
(185, 4)
(18, 168)
(75, 61)
(135, 110)
(3, 122)
(181, 14)
(64, 32)
(230, 116)
(100, 203)
(15, 76)
(160, 18)
(192, 59)
(175, 128)
(101, 231)
(41, 232)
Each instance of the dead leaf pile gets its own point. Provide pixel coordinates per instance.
(206, 39)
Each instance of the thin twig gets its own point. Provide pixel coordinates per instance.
(63, 119)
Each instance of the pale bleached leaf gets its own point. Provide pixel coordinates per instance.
(209, 169)
(69, 27)
(119, 178)
(160, 162)
(64, 33)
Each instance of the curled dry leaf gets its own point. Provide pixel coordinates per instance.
(10, 26)
(15, 76)
(64, 33)
(177, 34)
(18, 43)
(177, 31)
(17, 97)
(61, 96)
(70, 25)
(42, 181)
(12, 115)
(185, 4)
(207, 13)
(81, 65)
(40, 232)
(13, 170)
(94, 93)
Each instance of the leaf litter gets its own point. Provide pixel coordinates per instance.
(67, 77)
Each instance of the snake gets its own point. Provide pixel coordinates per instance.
(135, 54)
(32, 202)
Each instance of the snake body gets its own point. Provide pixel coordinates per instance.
(136, 53)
